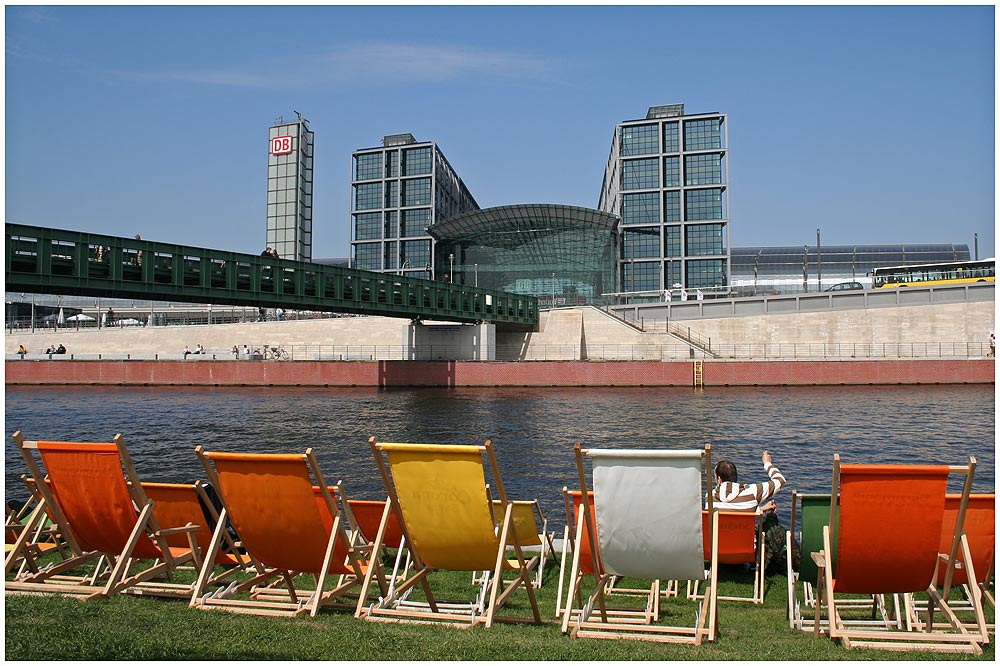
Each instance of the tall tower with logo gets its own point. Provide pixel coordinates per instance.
(290, 188)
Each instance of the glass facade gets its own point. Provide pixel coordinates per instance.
(679, 162)
(290, 189)
(806, 268)
(399, 190)
(564, 252)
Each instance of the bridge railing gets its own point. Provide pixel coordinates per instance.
(610, 352)
(54, 261)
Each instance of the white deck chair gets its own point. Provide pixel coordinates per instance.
(646, 522)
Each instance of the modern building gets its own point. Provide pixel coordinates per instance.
(290, 188)
(564, 255)
(808, 268)
(667, 179)
(398, 191)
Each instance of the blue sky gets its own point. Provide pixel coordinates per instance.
(874, 124)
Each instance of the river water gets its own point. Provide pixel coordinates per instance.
(533, 430)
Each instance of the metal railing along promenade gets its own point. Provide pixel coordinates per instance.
(609, 352)
(54, 261)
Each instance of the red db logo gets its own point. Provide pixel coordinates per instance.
(281, 145)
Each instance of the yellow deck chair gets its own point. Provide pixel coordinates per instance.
(645, 522)
(888, 534)
(532, 532)
(103, 514)
(285, 527)
(438, 494)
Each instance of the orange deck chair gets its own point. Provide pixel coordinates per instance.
(104, 515)
(44, 540)
(177, 504)
(438, 493)
(737, 545)
(888, 536)
(532, 532)
(271, 501)
(980, 530)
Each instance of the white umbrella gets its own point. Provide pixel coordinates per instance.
(80, 317)
(60, 320)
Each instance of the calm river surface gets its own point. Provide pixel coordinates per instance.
(533, 430)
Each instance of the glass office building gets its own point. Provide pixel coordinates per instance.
(808, 268)
(667, 179)
(397, 192)
(290, 189)
(564, 255)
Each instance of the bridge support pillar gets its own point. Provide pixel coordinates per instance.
(450, 342)
(486, 342)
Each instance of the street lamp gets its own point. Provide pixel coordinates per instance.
(451, 268)
(553, 291)
(476, 268)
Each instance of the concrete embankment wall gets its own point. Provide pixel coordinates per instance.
(533, 374)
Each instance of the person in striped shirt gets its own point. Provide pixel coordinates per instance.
(729, 495)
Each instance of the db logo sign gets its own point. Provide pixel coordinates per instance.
(281, 145)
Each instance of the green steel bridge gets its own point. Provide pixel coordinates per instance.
(55, 261)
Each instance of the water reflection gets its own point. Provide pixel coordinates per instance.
(533, 429)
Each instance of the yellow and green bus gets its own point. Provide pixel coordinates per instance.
(951, 272)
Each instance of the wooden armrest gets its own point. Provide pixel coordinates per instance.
(190, 527)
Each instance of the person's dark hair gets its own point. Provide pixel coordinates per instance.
(726, 471)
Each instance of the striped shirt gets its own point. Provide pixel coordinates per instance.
(730, 496)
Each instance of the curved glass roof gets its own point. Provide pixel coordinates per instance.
(565, 253)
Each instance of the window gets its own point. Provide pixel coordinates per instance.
(672, 206)
(703, 204)
(367, 196)
(391, 224)
(639, 140)
(367, 226)
(641, 243)
(392, 164)
(368, 166)
(671, 171)
(672, 274)
(702, 169)
(672, 241)
(391, 193)
(706, 273)
(390, 255)
(702, 239)
(417, 192)
(641, 276)
(415, 222)
(641, 208)
(416, 252)
(671, 138)
(640, 174)
(416, 161)
(368, 256)
(702, 134)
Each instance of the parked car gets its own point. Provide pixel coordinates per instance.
(845, 286)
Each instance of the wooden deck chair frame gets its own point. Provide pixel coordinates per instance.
(880, 614)
(759, 553)
(979, 526)
(265, 533)
(532, 530)
(592, 620)
(364, 518)
(960, 639)
(176, 504)
(575, 525)
(468, 478)
(124, 524)
(44, 540)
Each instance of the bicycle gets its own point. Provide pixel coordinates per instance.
(277, 354)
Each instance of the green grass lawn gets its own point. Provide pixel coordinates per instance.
(142, 628)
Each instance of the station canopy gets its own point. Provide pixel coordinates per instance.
(565, 253)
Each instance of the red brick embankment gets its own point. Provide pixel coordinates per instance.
(465, 373)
